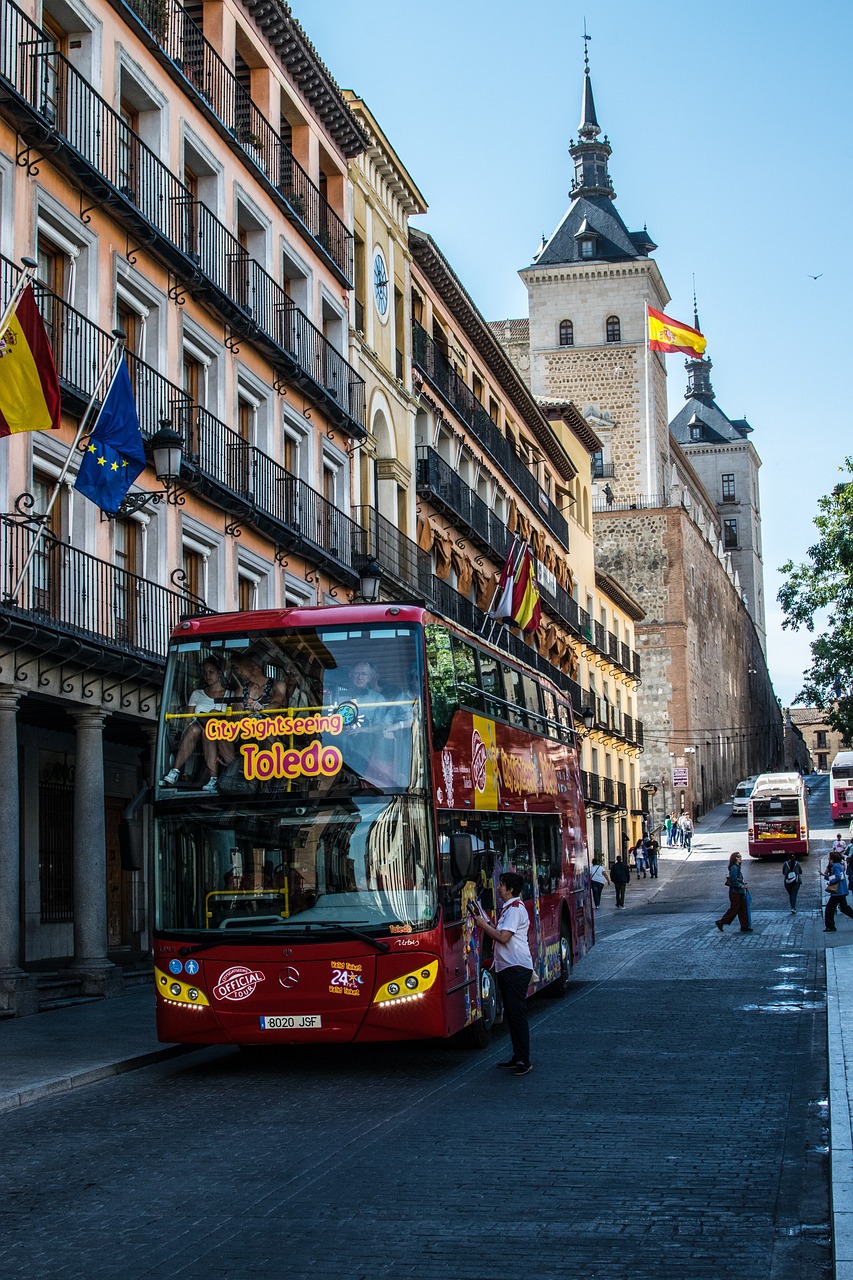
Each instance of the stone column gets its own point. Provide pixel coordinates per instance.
(18, 990)
(101, 977)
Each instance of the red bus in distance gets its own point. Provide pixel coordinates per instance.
(334, 785)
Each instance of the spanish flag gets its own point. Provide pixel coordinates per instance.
(666, 334)
(526, 610)
(29, 387)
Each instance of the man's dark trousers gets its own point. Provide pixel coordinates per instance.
(513, 983)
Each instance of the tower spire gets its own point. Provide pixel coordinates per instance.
(589, 128)
(590, 152)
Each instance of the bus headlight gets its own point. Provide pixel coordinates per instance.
(176, 992)
(409, 986)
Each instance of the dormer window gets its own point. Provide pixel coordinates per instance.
(614, 329)
(695, 433)
(567, 333)
(587, 248)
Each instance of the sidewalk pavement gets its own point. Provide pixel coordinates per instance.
(49, 1053)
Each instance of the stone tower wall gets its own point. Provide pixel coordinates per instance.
(704, 680)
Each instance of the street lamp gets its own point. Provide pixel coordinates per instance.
(588, 717)
(370, 580)
(167, 449)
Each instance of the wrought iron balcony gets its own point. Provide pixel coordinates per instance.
(402, 560)
(439, 372)
(632, 502)
(219, 93)
(53, 106)
(445, 489)
(235, 475)
(73, 595)
(602, 470)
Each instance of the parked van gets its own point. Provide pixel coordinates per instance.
(743, 790)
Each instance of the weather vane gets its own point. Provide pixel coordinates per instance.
(586, 40)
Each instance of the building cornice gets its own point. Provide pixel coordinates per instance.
(307, 72)
(453, 293)
(566, 412)
(384, 158)
(619, 596)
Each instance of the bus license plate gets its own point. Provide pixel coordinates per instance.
(304, 1022)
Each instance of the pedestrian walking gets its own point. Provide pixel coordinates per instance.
(652, 849)
(837, 888)
(667, 826)
(738, 889)
(640, 858)
(837, 846)
(792, 878)
(687, 831)
(620, 874)
(513, 966)
(598, 878)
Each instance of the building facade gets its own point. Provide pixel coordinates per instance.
(493, 464)
(823, 742)
(181, 173)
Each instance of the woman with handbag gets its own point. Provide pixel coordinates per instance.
(792, 878)
(738, 903)
(836, 887)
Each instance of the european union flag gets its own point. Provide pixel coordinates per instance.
(114, 455)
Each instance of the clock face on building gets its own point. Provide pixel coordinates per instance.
(380, 284)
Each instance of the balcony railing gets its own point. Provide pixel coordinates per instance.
(54, 102)
(75, 593)
(438, 370)
(444, 487)
(633, 502)
(183, 42)
(242, 479)
(402, 560)
(602, 470)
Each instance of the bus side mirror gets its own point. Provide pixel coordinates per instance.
(130, 842)
(461, 857)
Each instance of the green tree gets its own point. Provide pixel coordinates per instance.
(820, 591)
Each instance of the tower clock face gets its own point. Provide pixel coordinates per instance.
(380, 284)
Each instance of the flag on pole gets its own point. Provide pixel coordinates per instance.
(114, 455)
(29, 387)
(526, 610)
(666, 334)
(502, 604)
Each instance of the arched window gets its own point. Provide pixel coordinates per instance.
(614, 329)
(567, 333)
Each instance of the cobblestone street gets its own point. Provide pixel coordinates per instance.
(673, 1128)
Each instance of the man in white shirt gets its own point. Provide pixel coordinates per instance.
(513, 966)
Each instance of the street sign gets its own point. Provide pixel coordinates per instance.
(680, 777)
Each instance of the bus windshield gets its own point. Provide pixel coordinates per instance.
(302, 713)
(365, 863)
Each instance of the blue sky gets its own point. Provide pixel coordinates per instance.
(730, 129)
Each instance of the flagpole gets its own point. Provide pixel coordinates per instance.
(649, 471)
(522, 547)
(497, 586)
(514, 566)
(26, 277)
(118, 338)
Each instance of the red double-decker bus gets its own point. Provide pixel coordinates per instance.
(334, 786)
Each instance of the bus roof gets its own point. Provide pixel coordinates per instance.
(777, 784)
(843, 759)
(338, 615)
